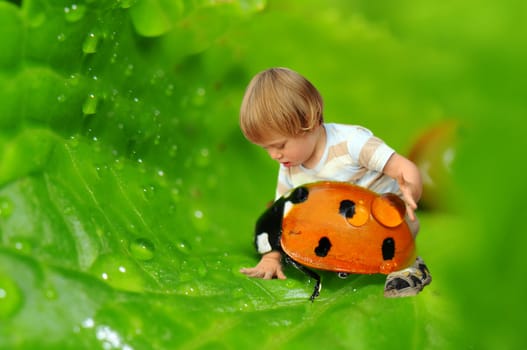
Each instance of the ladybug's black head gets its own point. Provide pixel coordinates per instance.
(298, 195)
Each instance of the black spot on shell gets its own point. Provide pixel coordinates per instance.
(347, 208)
(324, 245)
(299, 195)
(388, 248)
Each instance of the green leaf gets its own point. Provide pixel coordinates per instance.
(128, 194)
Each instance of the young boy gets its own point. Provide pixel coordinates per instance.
(283, 113)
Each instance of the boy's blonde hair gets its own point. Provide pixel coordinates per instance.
(281, 101)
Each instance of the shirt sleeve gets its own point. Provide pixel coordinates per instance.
(369, 151)
(375, 154)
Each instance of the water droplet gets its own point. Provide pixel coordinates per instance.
(73, 80)
(10, 296)
(238, 293)
(90, 105)
(6, 207)
(88, 323)
(173, 151)
(129, 69)
(202, 159)
(23, 245)
(74, 12)
(149, 191)
(119, 163)
(142, 249)
(73, 141)
(61, 37)
(110, 339)
(102, 170)
(119, 272)
(34, 15)
(175, 194)
(183, 247)
(90, 43)
(202, 270)
(199, 97)
(126, 3)
(169, 90)
(188, 289)
(157, 140)
(61, 98)
(50, 293)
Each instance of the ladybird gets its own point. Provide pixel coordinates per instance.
(435, 153)
(340, 227)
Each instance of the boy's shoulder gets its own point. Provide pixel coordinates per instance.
(346, 130)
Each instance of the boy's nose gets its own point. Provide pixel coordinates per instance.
(275, 155)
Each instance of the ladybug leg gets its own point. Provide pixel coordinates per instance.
(310, 273)
(343, 275)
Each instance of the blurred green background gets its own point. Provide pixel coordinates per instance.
(128, 194)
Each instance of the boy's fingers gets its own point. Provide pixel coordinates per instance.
(280, 274)
(267, 275)
(411, 213)
(251, 272)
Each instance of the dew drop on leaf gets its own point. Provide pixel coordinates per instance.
(73, 141)
(90, 43)
(173, 151)
(10, 296)
(142, 249)
(183, 247)
(74, 13)
(23, 245)
(90, 105)
(202, 159)
(35, 15)
(126, 3)
(129, 69)
(119, 163)
(198, 99)
(119, 272)
(169, 90)
(6, 207)
(73, 80)
(50, 293)
(149, 191)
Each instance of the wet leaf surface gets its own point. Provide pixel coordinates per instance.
(128, 195)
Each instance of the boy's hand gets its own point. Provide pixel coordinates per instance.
(269, 267)
(409, 179)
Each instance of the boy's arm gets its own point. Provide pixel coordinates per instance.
(267, 241)
(409, 178)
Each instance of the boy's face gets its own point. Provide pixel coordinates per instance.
(294, 151)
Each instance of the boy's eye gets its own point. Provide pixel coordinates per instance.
(275, 146)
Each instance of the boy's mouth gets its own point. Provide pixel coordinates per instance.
(286, 164)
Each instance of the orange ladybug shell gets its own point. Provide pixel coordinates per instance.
(346, 228)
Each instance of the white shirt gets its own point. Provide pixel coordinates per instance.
(352, 154)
